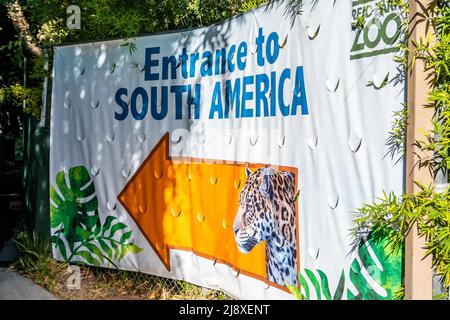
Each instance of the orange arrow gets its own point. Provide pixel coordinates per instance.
(190, 204)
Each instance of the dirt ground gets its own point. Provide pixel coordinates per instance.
(109, 284)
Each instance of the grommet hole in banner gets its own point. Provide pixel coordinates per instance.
(228, 139)
(158, 174)
(80, 136)
(95, 171)
(313, 32)
(281, 142)
(333, 84)
(175, 213)
(141, 137)
(142, 208)
(110, 137)
(200, 217)
(333, 200)
(95, 105)
(313, 253)
(253, 140)
(213, 180)
(312, 142)
(111, 205)
(225, 224)
(354, 143)
(126, 172)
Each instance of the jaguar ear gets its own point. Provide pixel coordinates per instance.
(289, 179)
(248, 172)
(287, 175)
(266, 186)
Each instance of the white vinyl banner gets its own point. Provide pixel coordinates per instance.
(233, 156)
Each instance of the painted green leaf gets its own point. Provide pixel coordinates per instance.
(97, 229)
(324, 283)
(53, 239)
(124, 251)
(75, 215)
(118, 252)
(93, 249)
(365, 290)
(115, 248)
(386, 269)
(295, 291)
(105, 248)
(70, 207)
(323, 286)
(126, 236)
(314, 282)
(297, 195)
(86, 255)
(304, 285)
(133, 248)
(107, 224)
(60, 245)
(82, 233)
(340, 288)
(116, 227)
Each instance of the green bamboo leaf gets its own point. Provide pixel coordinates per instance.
(314, 282)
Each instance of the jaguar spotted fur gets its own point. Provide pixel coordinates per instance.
(267, 213)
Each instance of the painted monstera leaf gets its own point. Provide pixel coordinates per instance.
(378, 275)
(74, 208)
(75, 220)
(320, 286)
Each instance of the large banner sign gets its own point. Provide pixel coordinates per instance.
(233, 156)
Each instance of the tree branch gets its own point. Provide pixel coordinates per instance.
(15, 13)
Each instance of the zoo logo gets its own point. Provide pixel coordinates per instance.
(378, 19)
